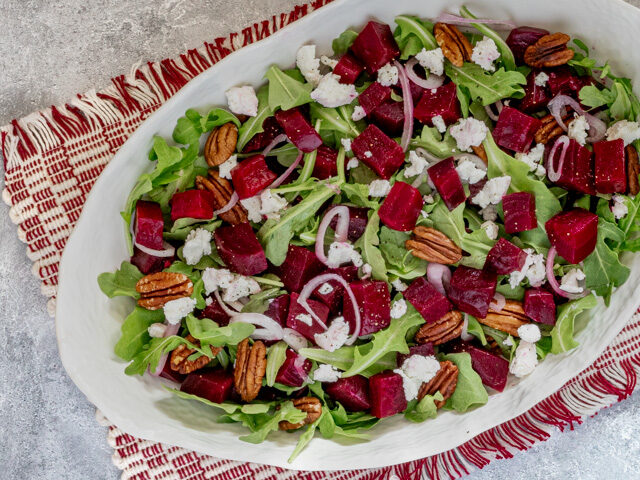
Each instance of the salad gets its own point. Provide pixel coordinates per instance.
(398, 228)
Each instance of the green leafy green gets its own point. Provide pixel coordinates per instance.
(209, 333)
(506, 55)
(602, 268)
(343, 358)
(341, 44)
(423, 410)
(135, 333)
(368, 245)
(562, 333)
(254, 408)
(180, 231)
(335, 119)
(286, 92)
(469, 390)
(253, 125)
(433, 141)
(399, 261)
(619, 98)
(267, 422)
(275, 358)
(484, 86)
(475, 328)
(358, 194)
(190, 127)
(412, 34)
(122, 282)
(149, 356)
(259, 302)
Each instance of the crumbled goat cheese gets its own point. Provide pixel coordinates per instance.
(242, 100)
(489, 213)
(208, 301)
(326, 373)
(353, 163)
(325, 289)
(358, 113)
(215, 279)
(224, 170)
(196, 245)
(619, 207)
(399, 285)
(252, 205)
(418, 165)
(329, 62)
(508, 341)
(533, 159)
(529, 332)
(438, 122)
(335, 336)
(533, 269)
(468, 133)
(240, 287)
(388, 75)
(271, 202)
(491, 229)
(432, 60)
(157, 330)
(305, 318)
(525, 359)
(492, 192)
(416, 370)
(578, 129)
(346, 143)
(234, 286)
(570, 282)
(341, 253)
(331, 93)
(469, 172)
(379, 188)
(424, 214)
(485, 53)
(624, 129)
(399, 308)
(368, 154)
(541, 79)
(308, 64)
(366, 270)
(176, 310)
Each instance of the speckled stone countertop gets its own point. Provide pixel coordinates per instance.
(52, 49)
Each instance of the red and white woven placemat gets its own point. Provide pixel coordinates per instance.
(53, 157)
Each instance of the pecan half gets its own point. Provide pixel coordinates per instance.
(221, 144)
(444, 329)
(455, 46)
(550, 129)
(480, 151)
(444, 382)
(549, 51)
(311, 406)
(251, 364)
(159, 288)
(633, 170)
(179, 360)
(433, 246)
(508, 320)
(222, 191)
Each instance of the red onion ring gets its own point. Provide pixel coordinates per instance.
(553, 173)
(279, 139)
(475, 159)
(407, 102)
(439, 276)
(464, 335)
(428, 155)
(278, 181)
(271, 330)
(230, 204)
(553, 283)
(169, 331)
(597, 127)
(419, 179)
(168, 250)
(342, 229)
(433, 81)
(498, 302)
(457, 20)
(489, 110)
(298, 364)
(294, 339)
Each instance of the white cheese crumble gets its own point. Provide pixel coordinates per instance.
(416, 370)
(305, 318)
(489, 213)
(432, 60)
(469, 172)
(368, 154)
(331, 93)
(524, 360)
(329, 62)
(234, 286)
(438, 122)
(242, 100)
(177, 309)
(508, 341)
(271, 202)
(399, 285)
(468, 133)
(252, 205)
(491, 229)
(624, 129)
(388, 75)
(196, 245)
(533, 269)
(578, 129)
(326, 373)
(417, 165)
(492, 192)
(534, 160)
(485, 52)
(325, 289)
(225, 168)
(334, 337)
(428, 199)
(619, 207)
(157, 330)
(358, 113)
(529, 332)
(399, 308)
(570, 282)
(346, 144)
(541, 79)
(353, 163)
(366, 270)
(341, 253)
(379, 188)
(308, 64)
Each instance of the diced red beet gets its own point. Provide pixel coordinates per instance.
(148, 263)
(213, 385)
(492, 369)
(521, 37)
(358, 219)
(348, 68)
(536, 97)
(428, 301)
(387, 394)
(306, 328)
(299, 130)
(505, 257)
(351, 392)
(240, 250)
(192, 204)
(373, 96)
(515, 130)
(149, 224)
(326, 165)
(610, 169)
(447, 181)
(375, 46)
(378, 152)
(577, 169)
(401, 208)
(278, 309)
(375, 306)
(333, 299)
(519, 212)
(443, 102)
(475, 188)
(271, 129)
(294, 371)
(214, 312)
(170, 374)
(573, 233)
(299, 266)
(471, 290)
(563, 81)
(390, 118)
(251, 176)
(425, 349)
(539, 306)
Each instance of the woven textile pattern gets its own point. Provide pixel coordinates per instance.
(53, 157)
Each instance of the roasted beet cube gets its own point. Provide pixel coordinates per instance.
(299, 130)
(427, 300)
(169, 374)
(348, 68)
(390, 118)
(539, 306)
(333, 298)
(610, 170)
(515, 130)
(375, 46)
(521, 37)
(213, 385)
(519, 212)
(251, 176)
(240, 250)
(326, 165)
(300, 266)
(573, 233)
(441, 102)
(148, 263)
(192, 204)
(149, 224)
(378, 152)
(401, 208)
(471, 290)
(375, 306)
(425, 349)
(373, 96)
(351, 392)
(302, 322)
(271, 129)
(358, 219)
(278, 309)
(492, 369)
(505, 257)
(563, 81)
(213, 311)
(387, 394)
(577, 169)
(294, 371)
(536, 97)
(447, 181)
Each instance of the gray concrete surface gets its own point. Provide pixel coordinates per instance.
(50, 50)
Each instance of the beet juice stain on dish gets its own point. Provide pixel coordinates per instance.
(393, 230)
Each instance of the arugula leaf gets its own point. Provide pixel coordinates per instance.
(412, 34)
(183, 226)
(334, 119)
(602, 268)
(399, 261)
(477, 244)
(275, 359)
(227, 407)
(368, 245)
(484, 86)
(209, 333)
(475, 328)
(149, 356)
(469, 391)
(433, 141)
(267, 422)
(122, 282)
(134, 332)
(306, 437)
(253, 125)
(196, 278)
(259, 302)
(425, 409)
(343, 358)
(562, 333)
(286, 92)
(341, 44)
(506, 54)
(190, 127)
(358, 194)
(451, 223)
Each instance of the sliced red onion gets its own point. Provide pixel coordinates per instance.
(294, 339)
(428, 155)
(433, 81)
(298, 363)
(475, 159)
(279, 139)
(551, 256)
(439, 276)
(342, 229)
(553, 173)
(271, 330)
(464, 335)
(223, 305)
(498, 302)
(169, 331)
(597, 130)
(597, 127)
(419, 180)
(489, 110)
(230, 204)
(278, 181)
(457, 20)
(167, 251)
(407, 102)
